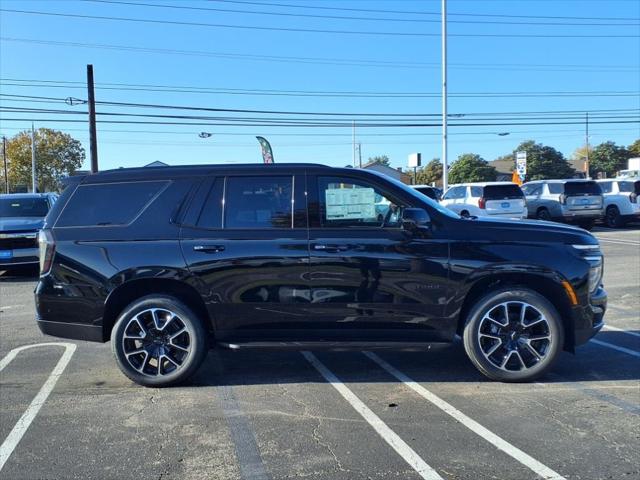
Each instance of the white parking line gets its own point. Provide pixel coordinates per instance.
(628, 351)
(621, 330)
(619, 242)
(14, 437)
(514, 452)
(388, 435)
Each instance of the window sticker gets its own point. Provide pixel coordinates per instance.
(350, 203)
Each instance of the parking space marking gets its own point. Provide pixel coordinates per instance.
(621, 330)
(388, 435)
(514, 452)
(628, 351)
(14, 437)
(619, 242)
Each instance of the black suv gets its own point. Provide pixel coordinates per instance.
(166, 261)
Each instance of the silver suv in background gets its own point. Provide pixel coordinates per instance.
(620, 201)
(570, 201)
(490, 199)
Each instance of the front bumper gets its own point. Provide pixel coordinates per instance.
(588, 320)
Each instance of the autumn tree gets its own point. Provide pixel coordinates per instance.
(57, 155)
(381, 159)
(634, 148)
(430, 173)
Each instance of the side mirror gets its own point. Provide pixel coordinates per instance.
(414, 219)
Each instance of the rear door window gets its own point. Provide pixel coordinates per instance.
(582, 188)
(258, 202)
(108, 204)
(499, 192)
(629, 187)
(556, 187)
(476, 192)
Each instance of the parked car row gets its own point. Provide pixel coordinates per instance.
(575, 201)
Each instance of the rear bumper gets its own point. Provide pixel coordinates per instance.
(21, 256)
(581, 215)
(588, 320)
(75, 331)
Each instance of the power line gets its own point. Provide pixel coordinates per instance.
(306, 30)
(315, 7)
(334, 61)
(351, 18)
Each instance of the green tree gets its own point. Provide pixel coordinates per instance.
(430, 173)
(544, 162)
(471, 167)
(57, 155)
(381, 159)
(609, 158)
(634, 148)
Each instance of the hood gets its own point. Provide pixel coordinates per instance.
(504, 230)
(18, 224)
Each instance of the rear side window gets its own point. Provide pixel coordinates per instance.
(109, 203)
(629, 187)
(258, 202)
(556, 187)
(582, 188)
(606, 187)
(211, 214)
(498, 192)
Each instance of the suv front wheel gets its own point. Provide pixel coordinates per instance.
(158, 341)
(513, 335)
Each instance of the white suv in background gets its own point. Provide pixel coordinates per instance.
(486, 199)
(620, 201)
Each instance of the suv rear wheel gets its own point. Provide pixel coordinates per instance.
(612, 217)
(158, 341)
(543, 214)
(513, 335)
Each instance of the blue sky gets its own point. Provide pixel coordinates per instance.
(544, 63)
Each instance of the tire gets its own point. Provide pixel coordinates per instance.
(488, 342)
(612, 217)
(172, 347)
(543, 214)
(464, 214)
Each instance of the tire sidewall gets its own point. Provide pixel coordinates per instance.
(472, 344)
(612, 220)
(198, 341)
(543, 214)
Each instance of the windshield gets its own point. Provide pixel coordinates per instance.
(582, 188)
(23, 207)
(423, 198)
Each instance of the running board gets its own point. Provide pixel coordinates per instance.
(330, 345)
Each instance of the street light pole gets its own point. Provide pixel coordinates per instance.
(587, 143)
(34, 180)
(445, 173)
(4, 158)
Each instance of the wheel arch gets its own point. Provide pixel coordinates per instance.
(549, 285)
(129, 291)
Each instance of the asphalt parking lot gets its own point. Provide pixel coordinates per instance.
(66, 411)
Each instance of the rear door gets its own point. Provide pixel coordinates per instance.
(246, 240)
(532, 194)
(504, 199)
(581, 196)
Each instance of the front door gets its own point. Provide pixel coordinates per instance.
(246, 242)
(370, 279)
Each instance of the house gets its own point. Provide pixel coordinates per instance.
(157, 163)
(398, 174)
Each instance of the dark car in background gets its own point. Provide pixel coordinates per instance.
(167, 261)
(434, 193)
(21, 217)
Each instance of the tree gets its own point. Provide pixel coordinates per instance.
(634, 148)
(609, 158)
(544, 162)
(470, 167)
(57, 155)
(381, 159)
(430, 173)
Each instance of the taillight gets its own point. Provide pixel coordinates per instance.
(563, 198)
(482, 202)
(633, 198)
(47, 248)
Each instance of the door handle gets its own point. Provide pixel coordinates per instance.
(330, 248)
(208, 248)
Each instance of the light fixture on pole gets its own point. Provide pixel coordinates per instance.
(34, 181)
(205, 134)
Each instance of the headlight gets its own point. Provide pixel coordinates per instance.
(595, 276)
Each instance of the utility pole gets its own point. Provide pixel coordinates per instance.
(6, 171)
(93, 141)
(587, 143)
(353, 144)
(360, 154)
(445, 172)
(34, 180)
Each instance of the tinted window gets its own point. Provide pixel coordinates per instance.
(455, 192)
(109, 203)
(211, 214)
(23, 207)
(581, 188)
(606, 187)
(556, 187)
(532, 189)
(629, 187)
(476, 192)
(497, 192)
(429, 192)
(263, 202)
(355, 203)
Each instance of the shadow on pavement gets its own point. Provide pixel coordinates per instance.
(20, 274)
